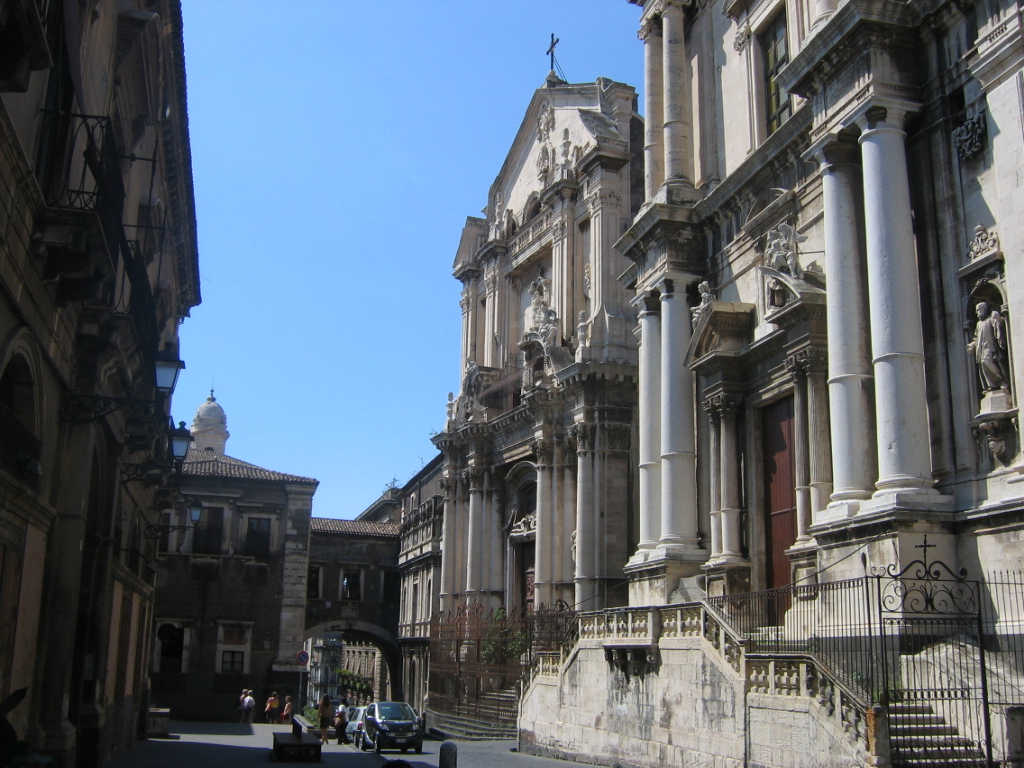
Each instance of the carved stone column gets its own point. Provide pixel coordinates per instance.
(650, 422)
(729, 472)
(897, 341)
(584, 544)
(677, 120)
(823, 10)
(819, 443)
(654, 148)
(715, 476)
(543, 576)
(850, 375)
(567, 516)
(801, 449)
(678, 457)
(475, 554)
(449, 545)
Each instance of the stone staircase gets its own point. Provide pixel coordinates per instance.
(490, 722)
(921, 738)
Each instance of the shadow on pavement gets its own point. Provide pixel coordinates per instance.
(213, 729)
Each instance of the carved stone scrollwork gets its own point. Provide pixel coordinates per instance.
(544, 452)
(723, 405)
(742, 38)
(447, 486)
(969, 138)
(806, 361)
(984, 243)
(651, 26)
(584, 435)
(473, 477)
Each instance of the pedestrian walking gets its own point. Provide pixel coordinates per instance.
(241, 705)
(249, 707)
(341, 722)
(325, 715)
(286, 713)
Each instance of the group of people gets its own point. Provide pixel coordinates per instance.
(273, 712)
(336, 717)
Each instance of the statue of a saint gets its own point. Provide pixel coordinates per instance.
(989, 349)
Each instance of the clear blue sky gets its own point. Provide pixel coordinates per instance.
(338, 147)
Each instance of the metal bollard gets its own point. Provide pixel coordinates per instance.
(449, 755)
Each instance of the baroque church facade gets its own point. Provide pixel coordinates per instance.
(537, 448)
(813, 459)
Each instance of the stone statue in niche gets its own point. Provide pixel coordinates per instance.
(776, 293)
(781, 253)
(582, 336)
(988, 348)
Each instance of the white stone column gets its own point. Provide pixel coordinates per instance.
(677, 118)
(654, 117)
(542, 584)
(850, 375)
(728, 405)
(475, 553)
(801, 449)
(567, 517)
(449, 545)
(678, 457)
(650, 423)
(714, 477)
(585, 544)
(495, 541)
(818, 433)
(897, 341)
(823, 10)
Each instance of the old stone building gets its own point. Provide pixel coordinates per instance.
(98, 266)
(231, 596)
(829, 450)
(419, 562)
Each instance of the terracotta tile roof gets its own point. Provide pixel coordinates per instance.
(352, 527)
(209, 463)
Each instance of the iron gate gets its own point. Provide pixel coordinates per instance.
(934, 678)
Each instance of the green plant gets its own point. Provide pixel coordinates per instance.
(310, 713)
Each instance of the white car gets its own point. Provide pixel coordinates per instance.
(354, 727)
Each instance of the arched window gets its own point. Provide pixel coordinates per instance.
(20, 449)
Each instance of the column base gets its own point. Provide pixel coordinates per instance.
(728, 575)
(917, 499)
(665, 579)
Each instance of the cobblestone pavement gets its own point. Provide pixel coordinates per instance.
(207, 745)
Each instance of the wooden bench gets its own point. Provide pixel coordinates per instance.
(297, 746)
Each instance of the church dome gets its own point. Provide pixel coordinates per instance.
(210, 425)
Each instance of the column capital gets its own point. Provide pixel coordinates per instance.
(649, 27)
(647, 301)
(884, 116)
(544, 450)
(473, 477)
(584, 435)
(807, 361)
(723, 404)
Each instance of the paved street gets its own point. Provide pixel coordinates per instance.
(240, 746)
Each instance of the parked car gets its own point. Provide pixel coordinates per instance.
(391, 725)
(354, 728)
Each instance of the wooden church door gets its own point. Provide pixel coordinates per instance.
(779, 489)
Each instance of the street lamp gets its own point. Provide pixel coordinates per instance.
(168, 366)
(79, 408)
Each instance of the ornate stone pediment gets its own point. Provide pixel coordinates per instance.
(723, 328)
(783, 293)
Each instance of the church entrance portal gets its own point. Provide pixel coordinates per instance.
(779, 490)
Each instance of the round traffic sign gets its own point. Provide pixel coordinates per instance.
(302, 658)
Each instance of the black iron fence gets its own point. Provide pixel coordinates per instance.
(478, 657)
(942, 653)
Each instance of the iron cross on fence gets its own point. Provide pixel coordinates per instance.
(551, 50)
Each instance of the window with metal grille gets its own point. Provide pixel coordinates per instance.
(776, 57)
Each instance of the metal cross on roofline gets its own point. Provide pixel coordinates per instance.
(551, 50)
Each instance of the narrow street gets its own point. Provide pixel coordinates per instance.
(241, 746)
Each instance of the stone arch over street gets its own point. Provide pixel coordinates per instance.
(358, 631)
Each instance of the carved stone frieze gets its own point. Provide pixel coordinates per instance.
(615, 437)
(969, 138)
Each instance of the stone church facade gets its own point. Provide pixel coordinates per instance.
(823, 269)
(538, 448)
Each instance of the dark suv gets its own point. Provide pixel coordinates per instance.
(391, 725)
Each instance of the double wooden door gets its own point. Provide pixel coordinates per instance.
(779, 489)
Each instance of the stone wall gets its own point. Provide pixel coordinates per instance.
(684, 695)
